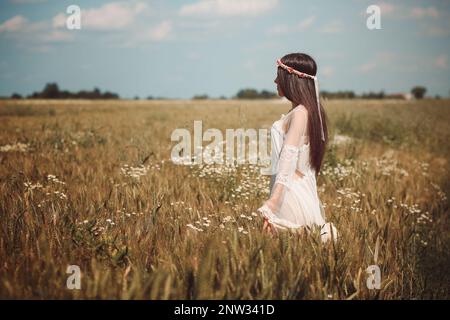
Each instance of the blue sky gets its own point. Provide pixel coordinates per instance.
(177, 49)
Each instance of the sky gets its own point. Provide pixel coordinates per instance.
(178, 49)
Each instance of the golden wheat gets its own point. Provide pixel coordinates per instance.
(92, 184)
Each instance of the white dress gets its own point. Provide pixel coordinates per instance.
(294, 202)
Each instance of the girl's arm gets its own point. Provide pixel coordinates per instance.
(287, 164)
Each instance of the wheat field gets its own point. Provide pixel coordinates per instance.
(91, 183)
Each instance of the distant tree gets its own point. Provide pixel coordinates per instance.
(16, 96)
(82, 94)
(150, 98)
(51, 91)
(223, 98)
(110, 95)
(418, 92)
(373, 95)
(200, 97)
(337, 95)
(267, 94)
(65, 95)
(34, 95)
(397, 96)
(247, 94)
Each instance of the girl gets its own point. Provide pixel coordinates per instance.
(299, 139)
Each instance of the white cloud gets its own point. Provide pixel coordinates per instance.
(335, 26)
(20, 28)
(59, 21)
(161, 31)
(208, 8)
(420, 13)
(111, 16)
(125, 19)
(398, 11)
(284, 28)
(57, 36)
(306, 23)
(15, 24)
(387, 8)
(441, 61)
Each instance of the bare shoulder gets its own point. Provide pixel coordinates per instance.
(301, 108)
(298, 115)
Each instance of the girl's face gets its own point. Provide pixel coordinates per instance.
(280, 93)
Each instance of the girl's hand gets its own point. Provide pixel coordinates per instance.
(267, 227)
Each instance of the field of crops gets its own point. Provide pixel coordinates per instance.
(92, 184)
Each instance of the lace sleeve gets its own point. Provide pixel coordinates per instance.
(287, 163)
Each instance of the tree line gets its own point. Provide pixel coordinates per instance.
(417, 92)
(52, 91)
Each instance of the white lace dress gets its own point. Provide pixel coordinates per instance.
(294, 202)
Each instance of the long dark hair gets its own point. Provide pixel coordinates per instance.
(302, 91)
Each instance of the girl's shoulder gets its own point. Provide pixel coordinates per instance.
(300, 108)
(291, 114)
(295, 111)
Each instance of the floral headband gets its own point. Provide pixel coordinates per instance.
(316, 86)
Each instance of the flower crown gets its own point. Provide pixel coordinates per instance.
(292, 70)
(316, 86)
